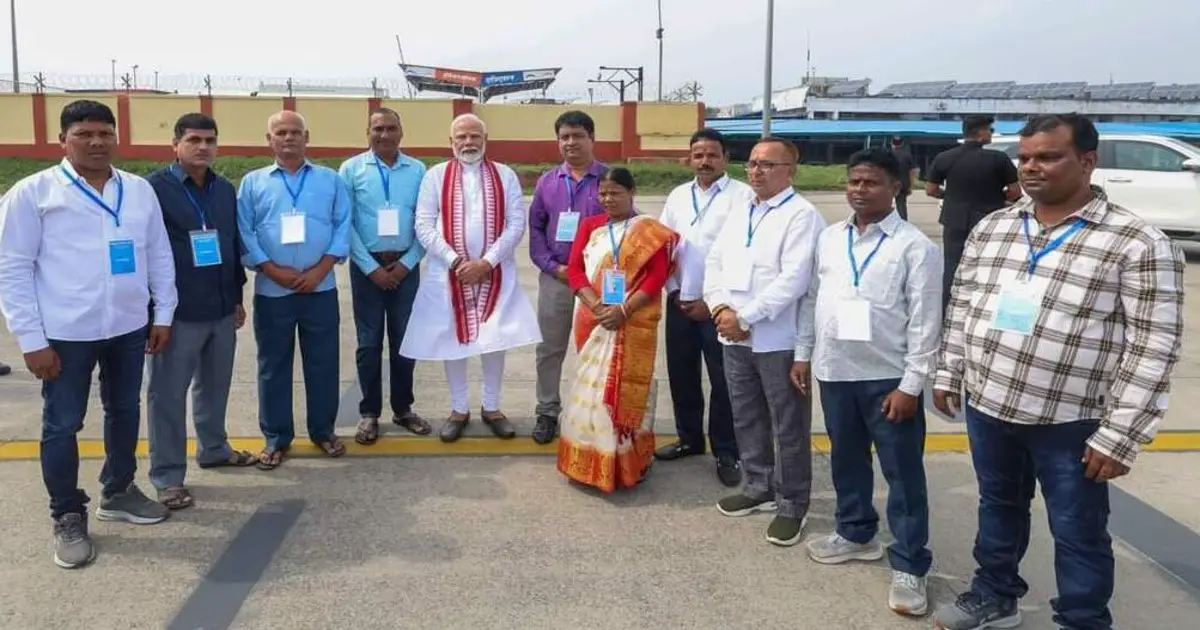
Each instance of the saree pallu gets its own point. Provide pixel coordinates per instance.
(607, 434)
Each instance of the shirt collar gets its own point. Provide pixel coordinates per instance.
(1093, 211)
(66, 165)
(401, 160)
(889, 225)
(276, 167)
(180, 174)
(717, 186)
(593, 170)
(777, 200)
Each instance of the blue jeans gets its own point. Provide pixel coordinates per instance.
(1010, 459)
(65, 401)
(377, 311)
(276, 323)
(855, 421)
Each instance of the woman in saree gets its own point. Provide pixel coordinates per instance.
(619, 263)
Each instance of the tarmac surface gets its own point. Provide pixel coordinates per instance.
(412, 533)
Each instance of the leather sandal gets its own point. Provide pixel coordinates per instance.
(454, 426)
(499, 424)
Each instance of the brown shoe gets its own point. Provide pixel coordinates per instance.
(454, 426)
(499, 424)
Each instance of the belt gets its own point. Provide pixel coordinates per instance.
(387, 258)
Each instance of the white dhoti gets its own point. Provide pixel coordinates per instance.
(475, 211)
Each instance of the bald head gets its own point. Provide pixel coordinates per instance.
(287, 134)
(468, 136)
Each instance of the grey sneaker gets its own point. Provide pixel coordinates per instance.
(833, 549)
(909, 594)
(132, 506)
(72, 546)
(786, 531)
(972, 612)
(742, 505)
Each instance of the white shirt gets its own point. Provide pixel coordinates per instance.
(697, 216)
(55, 276)
(902, 283)
(762, 277)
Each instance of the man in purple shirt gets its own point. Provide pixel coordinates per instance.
(565, 195)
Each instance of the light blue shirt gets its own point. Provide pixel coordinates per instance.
(263, 199)
(365, 182)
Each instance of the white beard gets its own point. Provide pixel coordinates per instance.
(469, 158)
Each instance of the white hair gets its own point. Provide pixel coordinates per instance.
(278, 116)
(468, 118)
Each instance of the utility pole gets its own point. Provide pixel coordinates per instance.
(114, 75)
(12, 12)
(135, 84)
(659, 34)
(766, 130)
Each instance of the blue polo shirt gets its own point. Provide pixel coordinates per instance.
(365, 176)
(264, 197)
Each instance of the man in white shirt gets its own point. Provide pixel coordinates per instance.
(470, 217)
(870, 327)
(697, 210)
(84, 261)
(757, 271)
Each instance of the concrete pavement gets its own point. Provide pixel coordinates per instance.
(504, 542)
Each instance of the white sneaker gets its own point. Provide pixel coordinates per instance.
(908, 594)
(833, 549)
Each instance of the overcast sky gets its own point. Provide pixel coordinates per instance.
(884, 40)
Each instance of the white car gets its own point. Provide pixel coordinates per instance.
(1154, 176)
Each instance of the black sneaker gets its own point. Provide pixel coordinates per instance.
(545, 430)
(729, 471)
(971, 611)
(132, 506)
(742, 505)
(72, 545)
(5, 370)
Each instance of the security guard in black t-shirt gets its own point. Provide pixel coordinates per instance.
(972, 182)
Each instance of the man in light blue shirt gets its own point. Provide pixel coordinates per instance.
(294, 219)
(383, 184)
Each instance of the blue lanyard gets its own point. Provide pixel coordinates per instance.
(295, 193)
(859, 271)
(200, 215)
(752, 227)
(697, 212)
(616, 247)
(1035, 256)
(385, 176)
(571, 187)
(114, 213)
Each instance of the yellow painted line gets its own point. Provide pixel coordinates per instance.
(1167, 441)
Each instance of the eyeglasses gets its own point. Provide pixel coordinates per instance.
(764, 165)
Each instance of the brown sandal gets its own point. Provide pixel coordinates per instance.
(367, 431)
(414, 423)
(270, 459)
(333, 447)
(237, 459)
(176, 498)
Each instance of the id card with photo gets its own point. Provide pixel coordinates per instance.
(206, 248)
(121, 257)
(614, 287)
(568, 226)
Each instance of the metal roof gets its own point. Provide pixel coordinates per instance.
(946, 128)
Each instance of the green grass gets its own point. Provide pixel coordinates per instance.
(652, 178)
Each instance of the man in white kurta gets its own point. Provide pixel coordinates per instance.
(470, 217)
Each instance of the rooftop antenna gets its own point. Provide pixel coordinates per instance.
(407, 85)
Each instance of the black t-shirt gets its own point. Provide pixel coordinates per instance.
(906, 166)
(975, 179)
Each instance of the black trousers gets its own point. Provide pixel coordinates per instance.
(953, 241)
(688, 343)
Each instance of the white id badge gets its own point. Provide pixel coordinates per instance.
(568, 225)
(853, 319)
(292, 231)
(389, 222)
(739, 271)
(1018, 307)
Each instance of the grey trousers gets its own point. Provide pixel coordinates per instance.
(773, 425)
(200, 355)
(555, 312)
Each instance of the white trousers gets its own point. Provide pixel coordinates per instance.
(493, 377)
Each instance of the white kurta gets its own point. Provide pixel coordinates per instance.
(431, 332)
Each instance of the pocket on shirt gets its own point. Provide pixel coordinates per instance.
(883, 283)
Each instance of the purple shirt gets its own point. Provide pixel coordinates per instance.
(551, 197)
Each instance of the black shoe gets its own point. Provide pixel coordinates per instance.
(545, 430)
(729, 471)
(5, 370)
(677, 450)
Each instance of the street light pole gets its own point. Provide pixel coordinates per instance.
(659, 34)
(766, 130)
(12, 12)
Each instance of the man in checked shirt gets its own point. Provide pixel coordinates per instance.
(1064, 326)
